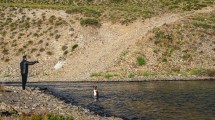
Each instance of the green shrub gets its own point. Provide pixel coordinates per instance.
(147, 74)
(74, 47)
(141, 60)
(30, 42)
(33, 50)
(47, 44)
(108, 76)
(75, 10)
(65, 52)
(40, 42)
(57, 36)
(42, 49)
(52, 19)
(118, 1)
(131, 75)
(64, 47)
(5, 51)
(49, 53)
(45, 117)
(95, 75)
(20, 50)
(90, 22)
(197, 71)
(204, 25)
(4, 33)
(36, 117)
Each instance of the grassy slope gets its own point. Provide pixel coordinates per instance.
(13, 30)
(181, 49)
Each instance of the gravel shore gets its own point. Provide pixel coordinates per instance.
(34, 100)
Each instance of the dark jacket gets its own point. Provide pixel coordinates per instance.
(24, 66)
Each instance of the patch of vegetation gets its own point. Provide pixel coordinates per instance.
(104, 75)
(148, 74)
(95, 74)
(49, 53)
(40, 42)
(3, 33)
(65, 52)
(33, 50)
(90, 22)
(42, 49)
(45, 117)
(197, 71)
(107, 75)
(124, 11)
(141, 60)
(57, 37)
(202, 72)
(64, 47)
(131, 75)
(60, 22)
(20, 50)
(204, 25)
(74, 47)
(52, 19)
(30, 42)
(5, 51)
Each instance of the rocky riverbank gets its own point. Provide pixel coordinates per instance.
(14, 100)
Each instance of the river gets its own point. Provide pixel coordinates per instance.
(158, 100)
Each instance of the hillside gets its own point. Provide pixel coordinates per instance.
(120, 40)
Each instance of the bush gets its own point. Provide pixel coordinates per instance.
(49, 53)
(147, 74)
(5, 51)
(90, 22)
(52, 19)
(65, 52)
(74, 47)
(197, 71)
(131, 75)
(64, 47)
(108, 76)
(36, 117)
(57, 36)
(45, 117)
(95, 75)
(42, 49)
(33, 50)
(141, 60)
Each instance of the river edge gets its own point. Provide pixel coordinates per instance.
(39, 101)
(138, 79)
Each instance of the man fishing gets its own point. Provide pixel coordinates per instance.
(24, 69)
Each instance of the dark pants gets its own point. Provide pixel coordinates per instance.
(24, 80)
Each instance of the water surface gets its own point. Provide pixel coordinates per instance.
(160, 100)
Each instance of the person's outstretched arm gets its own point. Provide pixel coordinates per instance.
(32, 63)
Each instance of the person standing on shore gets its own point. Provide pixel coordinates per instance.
(24, 70)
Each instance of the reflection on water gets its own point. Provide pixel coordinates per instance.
(163, 100)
